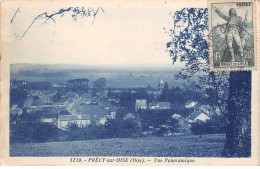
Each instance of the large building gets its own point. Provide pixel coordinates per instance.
(81, 120)
(140, 104)
(78, 84)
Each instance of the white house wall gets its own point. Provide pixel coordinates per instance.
(79, 123)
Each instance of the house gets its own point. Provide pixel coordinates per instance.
(190, 104)
(113, 111)
(114, 95)
(208, 110)
(48, 120)
(160, 105)
(102, 94)
(87, 98)
(197, 116)
(217, 110)
(153, 105)
(105, 104)
(97, 113)
(140, 104)
(81, 120)
(183, 124)
(164, 105)
(129, 116)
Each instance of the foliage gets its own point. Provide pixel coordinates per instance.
(122, 112)
(33, 132)
(181, 110)
(123, 128)
(86, 133)
(189, 45)
(39, 86)
(56, 97)
(170, 125)
(112, 129)
(154, 118)
(216, 125)
(128, 99)
(178, 97)
(99, 85)
(18, 97)
(231, 92)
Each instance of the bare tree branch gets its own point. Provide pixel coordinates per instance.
(94, 16)
(18, 9)
(75, 10)
(47, 17)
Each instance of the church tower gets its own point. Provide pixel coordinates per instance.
(160, 85)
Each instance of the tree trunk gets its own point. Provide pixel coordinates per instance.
(238, 134)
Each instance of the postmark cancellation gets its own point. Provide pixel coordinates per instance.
(232, 37)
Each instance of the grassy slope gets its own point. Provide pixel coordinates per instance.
(182, 146)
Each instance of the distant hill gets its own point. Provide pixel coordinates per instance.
(123, 76)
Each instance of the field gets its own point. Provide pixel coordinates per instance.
(179, 146)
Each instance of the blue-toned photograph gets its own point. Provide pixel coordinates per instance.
(124, 82)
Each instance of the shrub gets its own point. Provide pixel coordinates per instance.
(215, 125)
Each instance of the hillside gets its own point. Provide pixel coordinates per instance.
(181, 146)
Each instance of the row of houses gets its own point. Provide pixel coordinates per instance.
(184, 124)
(200, 113)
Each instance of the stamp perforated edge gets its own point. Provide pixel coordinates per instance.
(256, 38)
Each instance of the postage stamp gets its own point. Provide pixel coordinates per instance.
(232, 35)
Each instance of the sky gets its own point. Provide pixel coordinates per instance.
(120, 36)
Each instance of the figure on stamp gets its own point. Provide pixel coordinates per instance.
(234, 31)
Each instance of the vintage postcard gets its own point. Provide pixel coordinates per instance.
(121, 82)
(233, 35)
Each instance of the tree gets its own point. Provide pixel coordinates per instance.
(130, 127)
(238, 136)
(56, 97)
(18, 96)
(99, 85)
(189, 44)
(212, 126)
(173, 124)
(165, 96)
